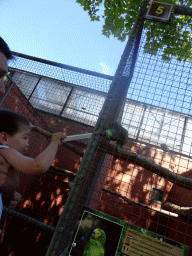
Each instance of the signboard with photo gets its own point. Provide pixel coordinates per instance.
(96, 235)
(100, 234)
(136, 243)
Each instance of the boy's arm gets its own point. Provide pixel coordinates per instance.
(37, 165)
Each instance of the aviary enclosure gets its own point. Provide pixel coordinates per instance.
(146, 183)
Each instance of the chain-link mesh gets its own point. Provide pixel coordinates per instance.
(146, 181)
(60, 97)
(44, 197)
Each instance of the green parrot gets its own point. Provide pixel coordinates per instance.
(95, 246)
(117, 133)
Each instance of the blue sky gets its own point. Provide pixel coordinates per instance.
(60, 31)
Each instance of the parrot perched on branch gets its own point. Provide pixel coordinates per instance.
(95, 246)
(117, 133)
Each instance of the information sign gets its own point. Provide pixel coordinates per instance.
(159, 11)
(136, 243)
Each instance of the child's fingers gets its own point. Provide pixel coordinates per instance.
(13, 204)
(64, 136)
(58, 137)
(17, 196)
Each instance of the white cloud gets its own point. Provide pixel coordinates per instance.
(106, 69)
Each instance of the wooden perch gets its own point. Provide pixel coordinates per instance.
(61, 171)
(176, 208)
(146, 163)
(49, 135)
(140, 204)
(42, 131)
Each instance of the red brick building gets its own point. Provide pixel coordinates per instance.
(45, 195)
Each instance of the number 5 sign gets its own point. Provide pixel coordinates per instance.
(159, 11)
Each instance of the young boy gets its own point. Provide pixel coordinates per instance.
(14, 132)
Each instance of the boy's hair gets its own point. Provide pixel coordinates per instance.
(10, 121)
(4, 48)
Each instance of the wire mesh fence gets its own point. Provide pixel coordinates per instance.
(145, 182)
(61, 97)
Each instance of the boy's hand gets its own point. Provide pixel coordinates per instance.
(15, 201)
(58, 137)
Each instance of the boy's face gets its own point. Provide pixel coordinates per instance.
(19, 141)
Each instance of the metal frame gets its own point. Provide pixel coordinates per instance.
(116, 98)
(60, 65)
(62, 228)
(74, 86)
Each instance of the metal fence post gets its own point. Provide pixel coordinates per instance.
(110, 111)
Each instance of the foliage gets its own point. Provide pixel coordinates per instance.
(120, 15)
(186, 249)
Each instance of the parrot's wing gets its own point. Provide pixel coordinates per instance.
(117, 132)
(93, 248)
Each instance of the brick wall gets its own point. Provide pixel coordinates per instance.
(45, 195)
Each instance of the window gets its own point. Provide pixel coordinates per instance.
(157, 195)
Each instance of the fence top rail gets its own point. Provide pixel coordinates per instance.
(128, 100)
(64, 66)
(183, 10)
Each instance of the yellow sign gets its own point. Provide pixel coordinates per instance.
(159, 11)
(136, 243)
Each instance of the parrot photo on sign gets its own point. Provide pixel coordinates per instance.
(116, 132)
(95, 245)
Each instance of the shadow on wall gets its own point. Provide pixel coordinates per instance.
(44, 203)
(135, 183)
(180, 229)
(43, 200)
(44, 196)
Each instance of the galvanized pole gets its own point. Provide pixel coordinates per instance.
(110, 111)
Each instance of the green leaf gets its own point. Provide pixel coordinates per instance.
(120, 15)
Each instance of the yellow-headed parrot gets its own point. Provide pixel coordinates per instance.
(95, 245)
(117, 133)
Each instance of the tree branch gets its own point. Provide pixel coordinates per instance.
(140, 204)
(129, 155)
(49, 135)
(176, 208)
(41, 131)
(146, 163)
(60, 171)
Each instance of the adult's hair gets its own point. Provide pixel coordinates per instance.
(4, 48)
(10, 121)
